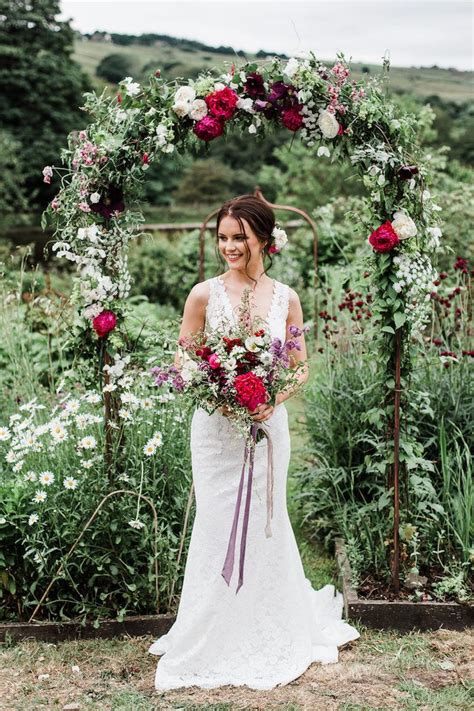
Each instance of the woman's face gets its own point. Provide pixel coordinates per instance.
(232, 243)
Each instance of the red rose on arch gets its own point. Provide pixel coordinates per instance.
(250, 391)
(208, 128)
(222, 103)
(384, 238)
(104, 323)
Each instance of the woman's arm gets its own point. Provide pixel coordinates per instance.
(295, 318)
(194, 316)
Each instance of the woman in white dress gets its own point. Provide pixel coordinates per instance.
(263, 628)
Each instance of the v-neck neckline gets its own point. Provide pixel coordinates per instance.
(232, 308)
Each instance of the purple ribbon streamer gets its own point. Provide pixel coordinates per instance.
(249, 449)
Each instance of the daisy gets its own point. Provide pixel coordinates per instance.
(93, 398)
(136, 524)
(4, 434)
(70, 483)
(157, 439)
(30, 476)
(17, 467)
(147, 403)
(46, 478)
(149, 448)
(88, 442)
(72, 406)
(87, 463)
(33, 519)
(39, 497)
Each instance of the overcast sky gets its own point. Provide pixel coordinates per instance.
(414, 33)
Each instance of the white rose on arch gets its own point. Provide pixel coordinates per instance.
(198, 109)
(403, 225)
(328, 124)
(183, 99)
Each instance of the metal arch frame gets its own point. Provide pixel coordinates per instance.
(258, 193)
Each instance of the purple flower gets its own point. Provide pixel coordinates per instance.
(292, 346)
(295, 331)
(279, 90)
(178, 382)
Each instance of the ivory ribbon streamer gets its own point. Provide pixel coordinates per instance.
(249, 450)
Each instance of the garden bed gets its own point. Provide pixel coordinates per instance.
(156, 625)
(401, 615)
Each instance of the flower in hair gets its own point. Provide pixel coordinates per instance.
(280, 239)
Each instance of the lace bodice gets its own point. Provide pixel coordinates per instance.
(220, 313)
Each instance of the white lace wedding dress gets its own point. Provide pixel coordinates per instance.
(277, 624)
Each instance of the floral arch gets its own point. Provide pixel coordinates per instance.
(96, 211)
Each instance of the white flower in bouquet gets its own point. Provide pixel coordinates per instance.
(328, 124)
(94, 198)
(181, 108)
(198, 109)
(230, 363)
(266, 358)
(403, 225)
(253, 343)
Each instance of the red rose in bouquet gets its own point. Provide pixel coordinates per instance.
(384, 238)
(222, 103)
(250, 390)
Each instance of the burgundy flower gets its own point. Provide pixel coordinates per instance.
(208, 128)
(291, 118)
(254, 86)
(104, 323)
(222, 103)
(407, 171)
(269, 109)
(279, 90)
(110, 202)
(384, 238)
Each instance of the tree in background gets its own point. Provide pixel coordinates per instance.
(41, 87)
(114, 67)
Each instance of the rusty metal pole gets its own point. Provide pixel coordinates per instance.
(395, 562)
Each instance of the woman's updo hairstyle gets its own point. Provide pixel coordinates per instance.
(258, 215)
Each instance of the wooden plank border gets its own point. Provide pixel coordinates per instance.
(155, 625)
(398, 615)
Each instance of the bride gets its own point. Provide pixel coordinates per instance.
(266, 629)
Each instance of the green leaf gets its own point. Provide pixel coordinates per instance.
(387, 329)
(399, 318)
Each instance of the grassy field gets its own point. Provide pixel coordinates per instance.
(449, 84)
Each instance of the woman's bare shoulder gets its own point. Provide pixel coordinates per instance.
(199, 294)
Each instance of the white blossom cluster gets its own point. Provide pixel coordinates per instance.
(415, 275)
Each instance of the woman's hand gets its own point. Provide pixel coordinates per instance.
(262, 412)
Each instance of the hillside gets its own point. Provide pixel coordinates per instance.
(181, 60)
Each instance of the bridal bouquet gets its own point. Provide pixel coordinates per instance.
(235, 372)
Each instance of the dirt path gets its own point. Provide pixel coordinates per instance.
(379, 671)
